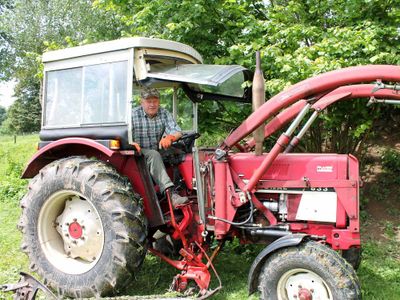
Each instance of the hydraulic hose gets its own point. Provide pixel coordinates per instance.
(236, 223)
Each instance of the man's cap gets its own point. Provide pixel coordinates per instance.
(146, 93)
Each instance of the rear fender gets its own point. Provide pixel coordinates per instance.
(65, 148)
(125, 162)
(283, 242)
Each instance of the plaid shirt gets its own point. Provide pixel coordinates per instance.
(147, 132)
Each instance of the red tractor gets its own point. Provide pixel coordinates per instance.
(92, 211)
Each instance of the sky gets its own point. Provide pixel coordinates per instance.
(6, 92)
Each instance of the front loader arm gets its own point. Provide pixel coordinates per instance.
(355, 91)
(352, 91)
(320, 84)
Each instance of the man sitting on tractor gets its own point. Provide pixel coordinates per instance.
(154, 128)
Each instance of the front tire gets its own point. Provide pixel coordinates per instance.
(353, 256)
(83, 227)
(308, 271)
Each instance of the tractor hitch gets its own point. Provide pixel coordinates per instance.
(27, 288)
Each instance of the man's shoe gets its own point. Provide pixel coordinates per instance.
(178, 200)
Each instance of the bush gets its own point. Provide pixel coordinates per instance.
(391, 161)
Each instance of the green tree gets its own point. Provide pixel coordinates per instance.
(4, 51)
(300, 39)
(28, 28)
(297, 39)
(23, 114)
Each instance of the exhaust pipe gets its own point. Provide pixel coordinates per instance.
(258, 90)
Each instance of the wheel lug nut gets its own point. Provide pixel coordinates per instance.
(83, 238)
(67, 224)
(312, 290)
(75, 219)
(67, 235)
(75, 242)
(300, 287)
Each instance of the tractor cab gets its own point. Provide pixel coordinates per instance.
(89, 91)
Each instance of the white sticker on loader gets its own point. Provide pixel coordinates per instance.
(317, 206)
(324, 169)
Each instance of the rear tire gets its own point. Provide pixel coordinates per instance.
(84, 228)
(311, 270)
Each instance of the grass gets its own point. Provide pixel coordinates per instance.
(13, 158)
(379, 272)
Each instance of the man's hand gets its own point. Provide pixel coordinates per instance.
(136, 146)
(166, 142)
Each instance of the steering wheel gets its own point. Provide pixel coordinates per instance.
(187, 140)
(189, 135)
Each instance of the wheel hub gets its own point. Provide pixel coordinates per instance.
(81, 230)
(303, 284)
(75, 230)
(305, 294)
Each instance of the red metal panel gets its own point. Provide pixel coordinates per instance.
(341, 220)
(186, 170)
(293, 166)
(318, 84)
(134, 169)
(305, 183)
(266, 163)
(220, 197)
(354, 199)
(338, 238)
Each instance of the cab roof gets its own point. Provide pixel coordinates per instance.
(120, 44)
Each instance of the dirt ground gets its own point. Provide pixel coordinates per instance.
(380, 196)
(383, 217)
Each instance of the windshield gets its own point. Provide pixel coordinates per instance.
(205, 82)
(231, 87)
